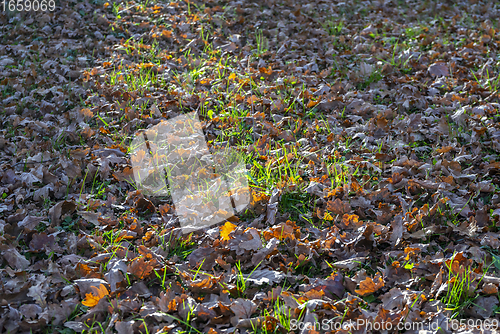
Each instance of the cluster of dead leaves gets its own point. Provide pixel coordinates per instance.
(388, 112)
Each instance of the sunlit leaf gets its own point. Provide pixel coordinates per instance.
(91, 299)
(226, 229)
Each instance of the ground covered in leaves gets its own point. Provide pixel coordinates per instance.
(370, 132)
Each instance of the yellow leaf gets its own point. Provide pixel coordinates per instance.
(232, 76)
(226, 229)
(328, 216)
(91, 300)
(145, 65)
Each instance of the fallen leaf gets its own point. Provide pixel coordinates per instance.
(242, 309)
(338, 207)
(226, 229)
(91, 299)
(369, 286)
(438, 69)
(15, 259)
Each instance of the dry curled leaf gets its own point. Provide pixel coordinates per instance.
(439, 69)
(91, 299)
(142, 266)
(369, 286)
(338, 207)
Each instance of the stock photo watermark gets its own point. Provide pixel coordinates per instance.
(369, 325)
(172, 158)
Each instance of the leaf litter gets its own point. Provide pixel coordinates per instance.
(370, 133)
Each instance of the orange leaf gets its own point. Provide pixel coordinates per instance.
(335, 192)
(328, 216)
(252, 99)
(490, 289)
(226, 229)
(479, 130)
(338, 207)
(124, 235)
(164, 209)
(350, 219)
(267, 71)
(82, 269)
(258, 197)
(355, 186)
(140, 267)
(369, 286)
(86, 112)
(282, 231)
(91, 300)
(448, 179)
(312, 103)
(145, 65)
(444, 149)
